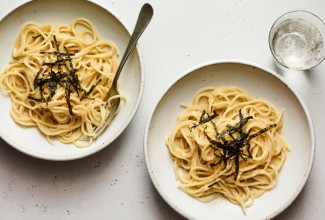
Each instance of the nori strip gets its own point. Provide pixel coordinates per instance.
(66, 79)
(234, 145)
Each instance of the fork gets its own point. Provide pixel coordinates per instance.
(144, 18)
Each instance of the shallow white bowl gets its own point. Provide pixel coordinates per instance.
(108, 26)
(260, 82)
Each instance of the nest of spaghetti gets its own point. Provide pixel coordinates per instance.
(228, 144)
(58, 80)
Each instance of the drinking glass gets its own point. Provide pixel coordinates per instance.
(296, 40)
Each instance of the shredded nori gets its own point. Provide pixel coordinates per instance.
(230, 143)
(37, 36)
(60, 72)
(205, 120)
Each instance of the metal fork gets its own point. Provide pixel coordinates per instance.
(144, 18)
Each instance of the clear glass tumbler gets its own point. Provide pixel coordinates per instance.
(296, 40)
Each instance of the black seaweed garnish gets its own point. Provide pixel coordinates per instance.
(37, 36)
(60, 72)
(231, 143)
(205, 120)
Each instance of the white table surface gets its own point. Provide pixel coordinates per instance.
(114, 183)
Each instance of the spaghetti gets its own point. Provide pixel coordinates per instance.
(228, 144)
(58, 79)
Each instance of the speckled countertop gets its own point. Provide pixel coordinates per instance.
(114, 183)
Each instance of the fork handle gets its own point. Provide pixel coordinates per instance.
(144, 18)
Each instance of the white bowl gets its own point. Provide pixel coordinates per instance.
(108, 26)
(259, 82)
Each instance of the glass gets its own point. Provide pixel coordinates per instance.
(296, 40)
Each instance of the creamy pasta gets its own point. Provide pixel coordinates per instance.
(58, 79)
(227, 143)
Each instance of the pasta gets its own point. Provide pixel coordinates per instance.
(58, 79)
(205, 163)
